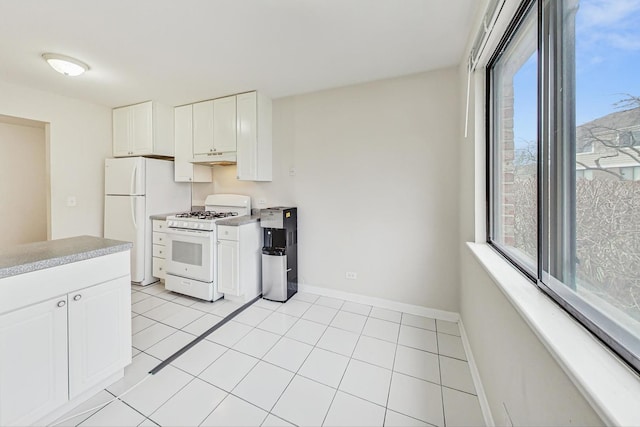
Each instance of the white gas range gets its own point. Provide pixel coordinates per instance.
(191, 262)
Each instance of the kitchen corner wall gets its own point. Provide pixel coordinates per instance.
(79, 139)
(375, 182)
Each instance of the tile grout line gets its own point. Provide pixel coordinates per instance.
(295, 373)
(393, 365)
(338, 310)
(262, 360)
(198, 339)
(324, 419)
(444, 415)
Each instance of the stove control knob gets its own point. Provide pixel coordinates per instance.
(169, 223)
(185, 224)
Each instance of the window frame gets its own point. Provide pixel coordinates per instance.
(515, 24)
(556, 164)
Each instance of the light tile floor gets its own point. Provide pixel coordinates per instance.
(312, 361)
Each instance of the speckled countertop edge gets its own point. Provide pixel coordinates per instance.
(239, 220)
(30, 257)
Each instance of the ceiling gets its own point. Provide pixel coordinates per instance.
(181, 51)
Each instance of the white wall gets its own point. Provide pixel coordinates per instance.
(79, 141)
(23, 183)
(516, 370)
(375, 186)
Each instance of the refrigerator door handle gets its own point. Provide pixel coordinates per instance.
(133, 212)
(134, 175)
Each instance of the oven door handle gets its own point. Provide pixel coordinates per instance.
(186, 232)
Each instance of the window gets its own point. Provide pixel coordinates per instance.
(629, 138)
(514, 153)
(564, 207)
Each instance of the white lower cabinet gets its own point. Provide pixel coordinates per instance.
(99, 333)
(33, 361)
(53, 351)
(159, 239)
(228, 257)
(239, 256)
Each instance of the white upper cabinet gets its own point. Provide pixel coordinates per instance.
(144, 129)
(254, 137)
(224, 124)
(203, 128)
(233, 129)
(214, 130)
(185, 171)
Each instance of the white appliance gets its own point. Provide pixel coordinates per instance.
(192, 253)
(136, 188)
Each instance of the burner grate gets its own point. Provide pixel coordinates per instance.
(206, 214)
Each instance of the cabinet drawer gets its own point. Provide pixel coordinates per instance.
(159, 225)
(158, 251)
(159, 238)
(158, 268)
(226, 232)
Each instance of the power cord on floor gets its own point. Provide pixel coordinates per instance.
(103, 404)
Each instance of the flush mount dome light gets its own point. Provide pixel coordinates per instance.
(65, 64)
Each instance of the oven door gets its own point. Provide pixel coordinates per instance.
(190, 254)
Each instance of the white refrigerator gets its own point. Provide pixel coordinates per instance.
(135, 189)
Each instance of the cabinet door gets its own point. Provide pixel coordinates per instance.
(247, 136)
(183, 140)
(33, 362)
(121, 132)
(228, 268)
(142, 135)
(224, 124)
(99, 333)
(203, 127)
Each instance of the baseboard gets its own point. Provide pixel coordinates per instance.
(475, 375)
(382, 303)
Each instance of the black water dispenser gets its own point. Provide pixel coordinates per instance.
(279, 253)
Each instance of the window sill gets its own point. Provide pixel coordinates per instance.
(607, 383)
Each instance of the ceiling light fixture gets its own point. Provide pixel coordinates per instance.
(65, 64)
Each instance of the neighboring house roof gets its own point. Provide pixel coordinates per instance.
(618, 120)
(610, 141)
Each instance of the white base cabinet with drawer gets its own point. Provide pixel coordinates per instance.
(239, 260)
(55, 352)
(159, 239)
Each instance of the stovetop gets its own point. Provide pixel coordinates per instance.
(198, 220)
(205, 215)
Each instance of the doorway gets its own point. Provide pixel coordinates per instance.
(24, 181)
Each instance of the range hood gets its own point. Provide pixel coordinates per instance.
(224, 159)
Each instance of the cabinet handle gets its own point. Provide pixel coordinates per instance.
(61, 303)
(160, 269)
(77, 297)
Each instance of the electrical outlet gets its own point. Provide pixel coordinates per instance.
(262, 203)
(351, 275)
(292, 171)
(71, 201)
